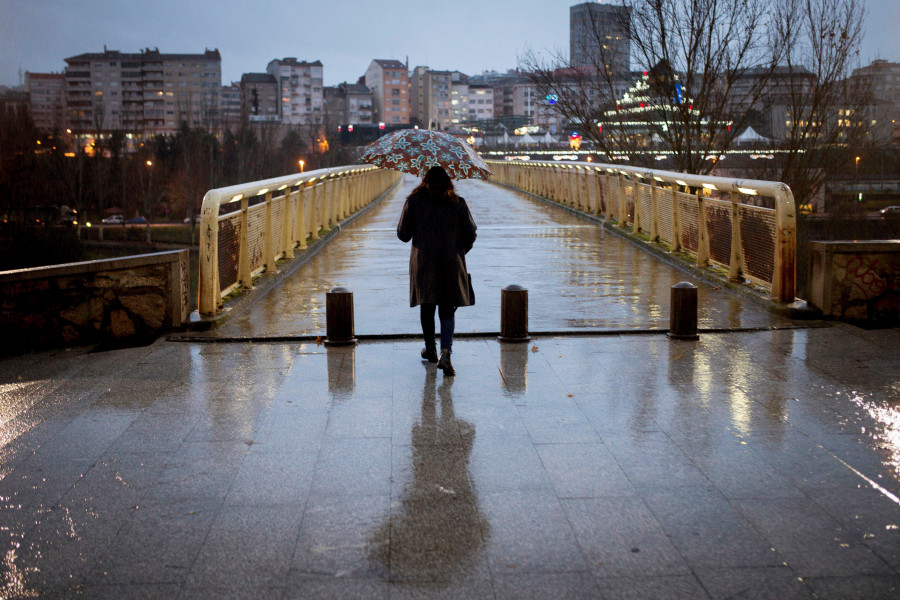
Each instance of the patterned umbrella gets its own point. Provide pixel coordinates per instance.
(417, 150)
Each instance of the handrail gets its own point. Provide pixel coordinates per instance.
(307, 204)
(631, 196)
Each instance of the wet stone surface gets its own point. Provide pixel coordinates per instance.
(578, 276)
(752, 464)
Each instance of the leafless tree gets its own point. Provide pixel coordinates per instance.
(694, 56)
(820, 110)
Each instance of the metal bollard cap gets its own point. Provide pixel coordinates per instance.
(514, 288)
(340, 290)
(683, 285)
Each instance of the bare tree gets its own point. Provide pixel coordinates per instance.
(820, 110)
(694, 55)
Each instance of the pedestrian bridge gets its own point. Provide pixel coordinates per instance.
(581, 276)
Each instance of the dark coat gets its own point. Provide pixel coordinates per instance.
(442, 232)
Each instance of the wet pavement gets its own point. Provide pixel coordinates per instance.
(752, 465)
(578, 275)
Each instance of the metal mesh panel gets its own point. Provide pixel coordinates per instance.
(229, 248)
(645, 205)
(277, 225)
(256, 229)
(611, 197)
(688, 217)
(629, 200)
(718, 226)
(664, 208)
(758, 241)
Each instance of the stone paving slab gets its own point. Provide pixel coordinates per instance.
(578, 275)
(749, 464)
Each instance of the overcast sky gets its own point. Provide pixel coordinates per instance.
(466, 35)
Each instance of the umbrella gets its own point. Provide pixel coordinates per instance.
(417, 150)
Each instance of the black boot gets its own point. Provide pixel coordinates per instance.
(444, 362)
(429, 353)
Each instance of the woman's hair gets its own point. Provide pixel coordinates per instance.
(436, 184)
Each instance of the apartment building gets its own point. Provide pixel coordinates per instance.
(259, 98)
(599, 36)
(146, 93)
(348, 104)
(231, 106)
(300, 88)
(430, 97)
(47, 100)
(481, 102)
(389, 81)
(459, 98)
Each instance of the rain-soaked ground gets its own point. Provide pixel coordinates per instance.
(578, 275)
(760, 464)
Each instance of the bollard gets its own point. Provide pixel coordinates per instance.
(339, 317)
(513, 314)
(683, 312)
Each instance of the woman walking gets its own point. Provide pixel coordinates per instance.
(442, 231)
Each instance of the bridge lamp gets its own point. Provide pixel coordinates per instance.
(710, 186)
(748, 191)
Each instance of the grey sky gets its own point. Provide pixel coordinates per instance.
(466, 35)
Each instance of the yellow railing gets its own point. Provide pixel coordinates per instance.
(702, 215)
(236, 245)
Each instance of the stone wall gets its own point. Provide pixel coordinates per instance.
(856, 280)
(136, 298)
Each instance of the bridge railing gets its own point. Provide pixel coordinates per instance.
(708, 217)
(247, 240)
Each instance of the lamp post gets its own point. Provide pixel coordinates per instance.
(857, 168)
(149, 164)
(300, 162)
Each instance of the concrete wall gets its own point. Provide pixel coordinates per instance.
(857, 280)
(113, 300)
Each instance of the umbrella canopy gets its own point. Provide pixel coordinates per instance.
(417, 150)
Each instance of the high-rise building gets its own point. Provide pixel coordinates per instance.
(389, 82)
(259, 98)
(430, 97)
(481, 102)
(147, 93)
(300, 86)
(47, 97)
(881, 82)
(231, 106)
(599, 36)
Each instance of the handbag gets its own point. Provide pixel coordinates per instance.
(471, 290)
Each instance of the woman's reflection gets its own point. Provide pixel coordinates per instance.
(437, 530)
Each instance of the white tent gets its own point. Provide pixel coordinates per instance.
(526, 140)
(548, 139)
(749, 136)
(505, 139)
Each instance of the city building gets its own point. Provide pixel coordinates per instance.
(881, 80)
(389, 81)
(259, 98)
(231, 106)
(348, 104)
(429, 97)
(459, 98)
(47, 101)
(300, 87)
(599, 36)
(142, 94)
(481, 102)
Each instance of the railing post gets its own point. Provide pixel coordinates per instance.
(784, 275)
(736, 261)
(654, 213)
(314, 210)
(636, 194)
(302, 200)
(287, 232)
(268, 234)
(245, 278)
(209, 294)
(676, 221)
(702, 233)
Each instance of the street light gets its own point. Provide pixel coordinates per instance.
(300, 162)
(857, 168)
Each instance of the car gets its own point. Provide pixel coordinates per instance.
(890, 211)
(136, 221)
(113, 220)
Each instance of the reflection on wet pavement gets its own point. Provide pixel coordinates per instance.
(584, 467)
(578, 275)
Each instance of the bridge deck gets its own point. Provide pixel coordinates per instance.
(578, 275)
